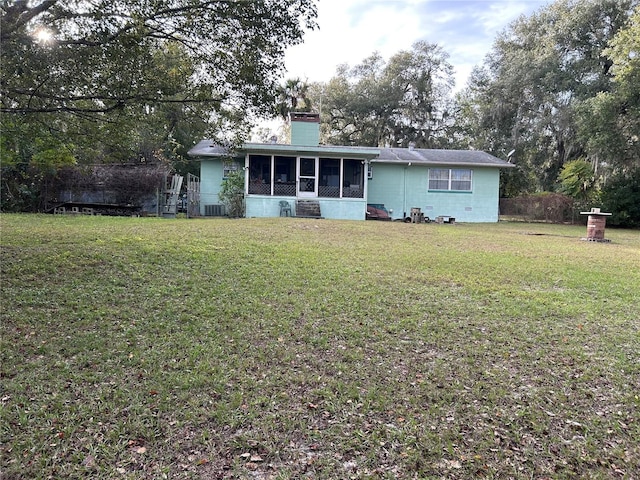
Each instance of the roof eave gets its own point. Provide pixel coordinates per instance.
(315, 150)
(434, 164)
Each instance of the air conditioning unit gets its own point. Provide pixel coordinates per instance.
(214, 211)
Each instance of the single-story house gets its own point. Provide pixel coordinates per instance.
(342, 180)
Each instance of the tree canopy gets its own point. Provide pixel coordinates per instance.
(609, 122)
(396, 102)
(531, 92)
(126, 81)
(98, 56)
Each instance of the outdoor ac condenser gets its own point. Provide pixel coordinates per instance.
(214, 211)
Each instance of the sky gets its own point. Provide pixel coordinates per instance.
(351, 30)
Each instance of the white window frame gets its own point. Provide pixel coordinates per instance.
(450, 180)
(228, 167)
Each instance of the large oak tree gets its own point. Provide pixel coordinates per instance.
(92, 56)
(104, 81)
(530, 93)
(395, 102)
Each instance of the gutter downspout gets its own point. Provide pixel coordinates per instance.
(404, 193)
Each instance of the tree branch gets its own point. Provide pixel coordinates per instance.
(18, 15)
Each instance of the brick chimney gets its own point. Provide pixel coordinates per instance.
(305, 128)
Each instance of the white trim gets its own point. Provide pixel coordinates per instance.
(300, 193)
(450, 180)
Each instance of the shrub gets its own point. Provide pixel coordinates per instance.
(232, 193)
(621, 197)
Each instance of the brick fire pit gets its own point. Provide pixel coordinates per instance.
(595, 225)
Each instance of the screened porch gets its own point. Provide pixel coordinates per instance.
(301, 176)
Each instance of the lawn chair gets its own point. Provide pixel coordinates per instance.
(285, 209)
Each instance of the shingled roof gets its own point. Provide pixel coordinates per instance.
(416, 156)
(419, 156)
(206, 148)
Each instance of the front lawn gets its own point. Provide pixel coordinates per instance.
(294, 348)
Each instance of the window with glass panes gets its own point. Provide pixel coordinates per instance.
(228, 168)
(453, 179)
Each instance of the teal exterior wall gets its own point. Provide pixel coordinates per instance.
(398, 187)
(265, 206)
(337, 209)
(211, 170)
(344, 209)
(402, 187)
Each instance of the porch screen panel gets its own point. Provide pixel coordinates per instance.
(461, 180)
(260, 174)
(329, 183)
(285, 176)
(353, 181)
(439, 179)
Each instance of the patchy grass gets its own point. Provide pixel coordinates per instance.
(284, 348)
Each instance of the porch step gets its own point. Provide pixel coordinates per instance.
(308, 209)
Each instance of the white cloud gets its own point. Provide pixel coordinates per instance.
(493, 18)
(351, 30)
(349, 34)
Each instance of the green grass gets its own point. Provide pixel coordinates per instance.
(288, 348)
